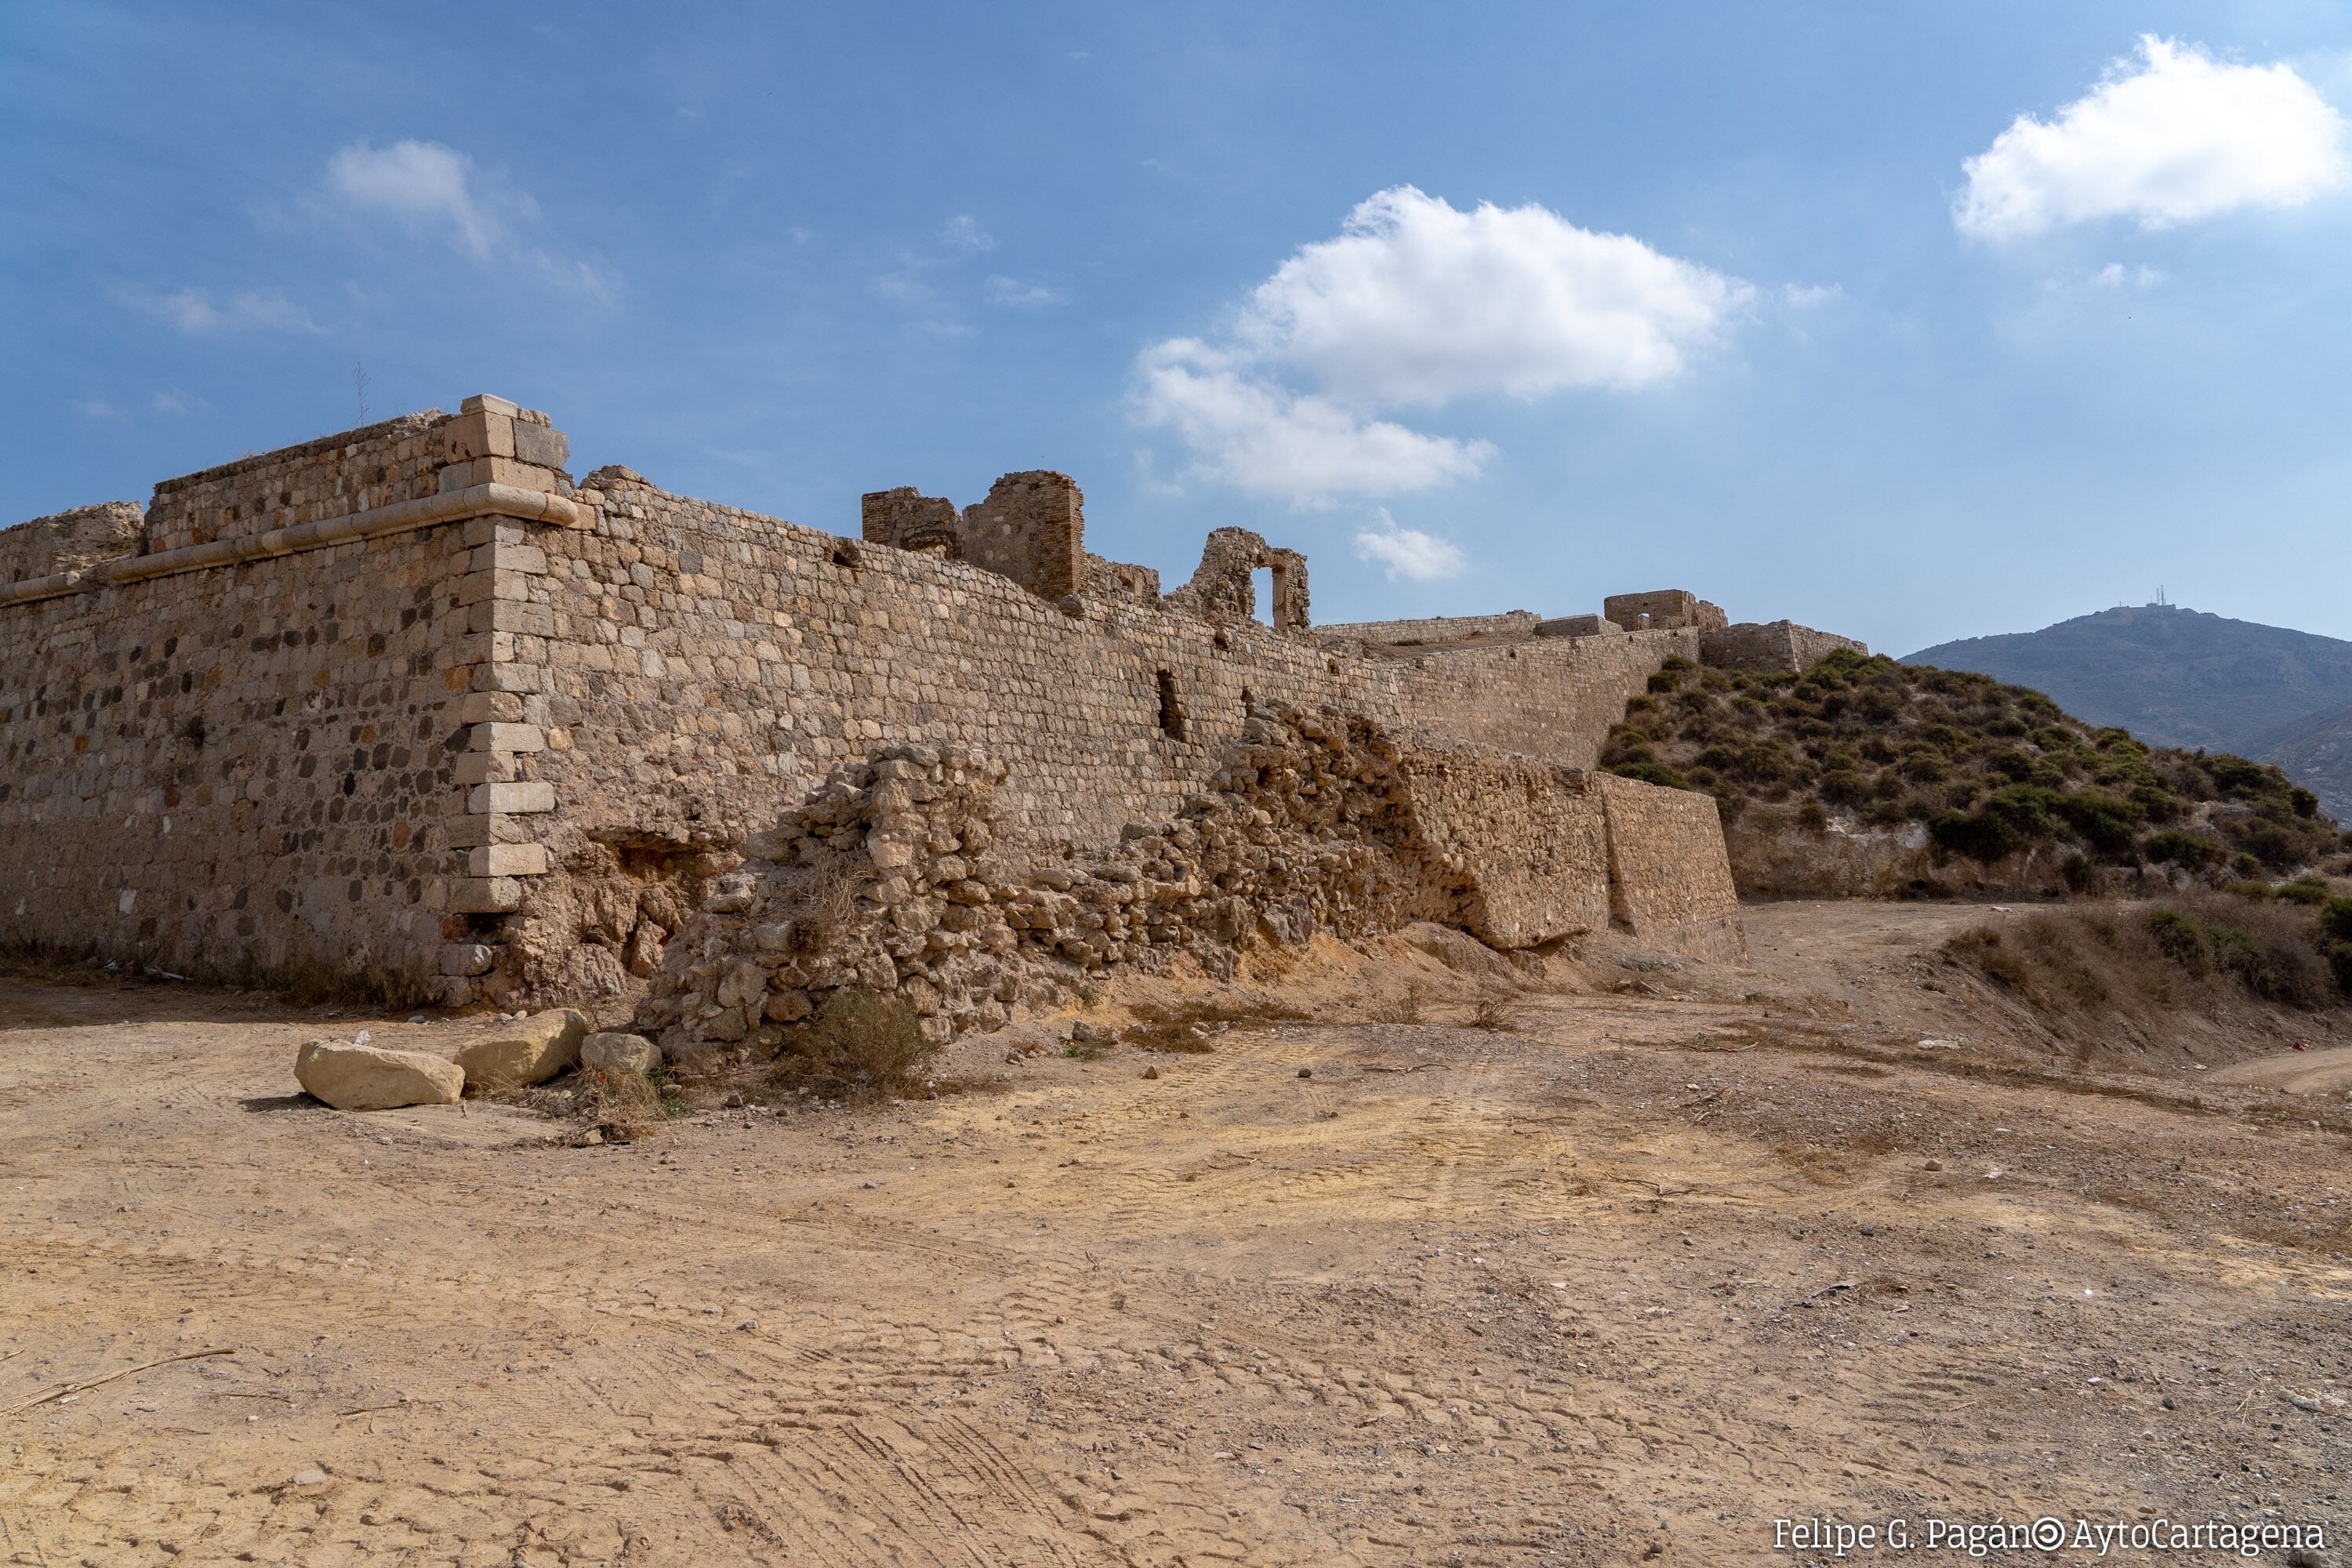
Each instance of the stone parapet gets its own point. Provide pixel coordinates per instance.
(1772, 646)
(70, 541)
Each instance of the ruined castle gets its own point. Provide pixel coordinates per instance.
(410, 708)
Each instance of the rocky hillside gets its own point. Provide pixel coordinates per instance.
(2174, 676)
(1870, 776)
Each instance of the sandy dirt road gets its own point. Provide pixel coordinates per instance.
(1622, 1284)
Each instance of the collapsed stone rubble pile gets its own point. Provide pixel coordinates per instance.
(889, 878)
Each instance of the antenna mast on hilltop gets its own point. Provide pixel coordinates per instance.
(2159, 594)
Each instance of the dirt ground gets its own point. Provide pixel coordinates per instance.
(1624, 1279)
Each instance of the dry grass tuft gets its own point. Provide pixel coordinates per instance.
(861, 1044)
(622, 1106)
(1505, 1014)
(1192, 1026)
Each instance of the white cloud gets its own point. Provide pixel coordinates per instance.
(965, 233)
(1415, 305)
(425, 186)
(96, 408)
(1014, 292)
(193, 311)
(177, 400)
(436, 191)
(1263, 438)
(2116, 275)
(2177, 138)
(1810, 296)
(1408, 552)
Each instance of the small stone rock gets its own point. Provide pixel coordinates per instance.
(309, 1478)
(370, 1078)
(1151, 1072)
(1306, 1072)
(619, 1053)
(1933, 1166)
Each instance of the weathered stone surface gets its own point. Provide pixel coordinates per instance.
(1317, 822)
(525, 1051)
(619, 1053)
(372, 1077)
(467, 958)
(547, 742)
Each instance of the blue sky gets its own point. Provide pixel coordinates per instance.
(1483, 307)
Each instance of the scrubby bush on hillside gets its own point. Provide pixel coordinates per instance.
(2206, 946)
(1990, 769)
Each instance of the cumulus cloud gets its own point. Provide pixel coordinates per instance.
(1415, 305)
(1408, 552)
(436, 191)
(1263, 438)
(2172, 139)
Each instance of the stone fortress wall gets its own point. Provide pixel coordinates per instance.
(409, 708)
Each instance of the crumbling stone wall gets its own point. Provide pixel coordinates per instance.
(1578, 627)
(1222, 589)
(1031, 528)
(564, 708)
(71, 540)
(1433, 629)
(1663, 607)
(1669, 876)
(905, 518)
(892, 877)
(706, 667)
(1119, 580)
(1772, 644)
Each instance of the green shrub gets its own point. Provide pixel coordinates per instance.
(2181, 940)
(2335, 920)
(2101, 822)
(1650, 773)
(2183, 849)
(2339, 962)
(1982, 836)
(2304, 890)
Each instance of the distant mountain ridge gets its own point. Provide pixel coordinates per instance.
(2176, 676)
